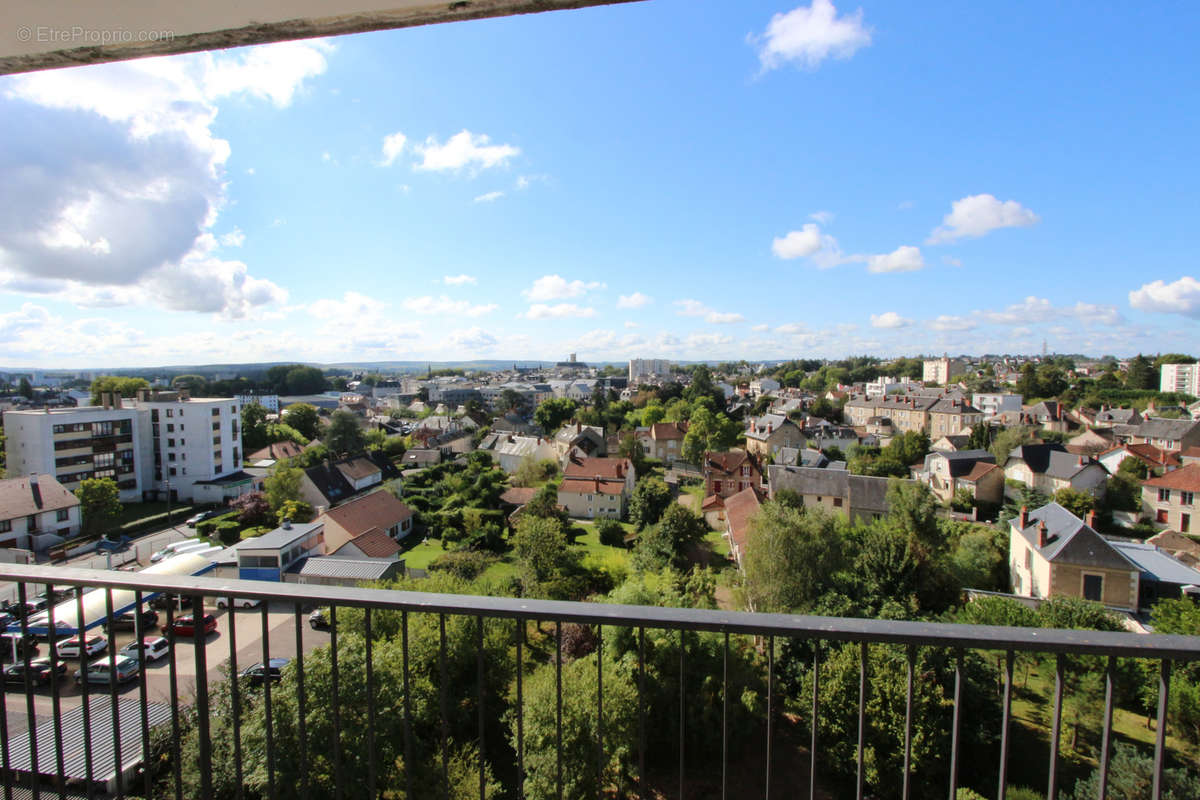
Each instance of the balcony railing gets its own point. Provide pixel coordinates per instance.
(105, 743)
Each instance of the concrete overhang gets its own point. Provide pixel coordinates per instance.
(46, 34)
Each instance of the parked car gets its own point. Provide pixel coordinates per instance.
(258, 673)
(69, 648)
(18, 611)
(99, 670)
(40, 671)
(186, 626)
(156, 647)
(239, 602)
(318, 620)
(196, 519)
(128, 621)
(164, 601)
(15, 641)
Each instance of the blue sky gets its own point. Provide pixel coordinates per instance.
(673, 178)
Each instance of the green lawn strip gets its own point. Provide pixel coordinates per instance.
(421, 554)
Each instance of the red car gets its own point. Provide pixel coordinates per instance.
(186, 626)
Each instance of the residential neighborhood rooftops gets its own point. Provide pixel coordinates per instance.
(604, 468)
(365, 569)
(1036, 456)
(1186, 478)
(281, 536)
(1157, 564)
(372, 543)
(1068, 539)
(379, 509)
(33, 494)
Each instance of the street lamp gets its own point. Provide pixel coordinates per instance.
(167, 483)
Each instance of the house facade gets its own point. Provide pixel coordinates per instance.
(1053, 553)
(1049, 467)
(1169, 500)
(765, 435)
(663, 440)
(596, 487)
(859, 497)
(730, 472)
(974, 470)
(36, 512)
(376, 511)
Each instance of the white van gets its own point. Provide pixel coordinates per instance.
(184, 546)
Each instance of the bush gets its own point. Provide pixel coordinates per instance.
(206, 527)
(465, 564)
(611, 532)
(229, 532)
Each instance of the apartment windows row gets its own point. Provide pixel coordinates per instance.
(1185, 498)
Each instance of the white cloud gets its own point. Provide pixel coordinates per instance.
(798, 244)
(791, 328)
(905, 258)
(352, 305)
(393, 148)
(459, 280)
(823, 217)
(635, 300)
(475, 339)
(890, 320)
(630, 324)
(461, 150)
(556, 287)
(1090, 312)
(947, 322)
(235, 238)
(444, 306)
(129, 216)
(490, 197)
(558, 311)
(1179, 297)
(979, 214)
(694, 308)
(1030, 310)
(810, 34)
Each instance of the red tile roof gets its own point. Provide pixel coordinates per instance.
(728, 462)
(1185, 479)
(590, 486)
(668, 430)
(739, 509)
(518, 496)
(605, 468)
(373, 543)
(276, 451)
(712, 501)
(377, 510)
(978, 471)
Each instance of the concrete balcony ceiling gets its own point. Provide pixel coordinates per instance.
(67, 33)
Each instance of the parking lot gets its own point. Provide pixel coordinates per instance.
(247, 633)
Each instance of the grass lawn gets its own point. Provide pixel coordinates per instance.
(132, 513)
(421, 554)
(598, 554)
(718, 543)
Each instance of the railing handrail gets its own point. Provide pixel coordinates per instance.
(846, 629)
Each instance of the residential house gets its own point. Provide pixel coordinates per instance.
(1053, 553)
(1110, 417)
(1170, 499)
(662, 440)
(951, 444)
(1161, 575)
(765, 435)
(1157, 460)
(860, 497)
(1048, 467)
(907, 412)
(372, 543)
(596, 487)
(1182, 548)
(740, 509)
(992, 403)
(585, 440)
(332, 482)
(1047, 415)
(379, 510)
(269, 557)
(761, 386)
(36, 512)
(1174, 435)
(275, 452)
(421, 457)
(952, 415)
(1091, 442)
(973, 470)
(726, 474)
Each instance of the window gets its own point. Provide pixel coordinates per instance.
(170, 428)
(1161, 516)
(716, 487)
(1164, 495)
(1093, 587)
(170, 412)
(1185, 521)
(170, 442)
(5, 525)
(216, 412)
(837, 502)
(31, 522)
(1185, 498)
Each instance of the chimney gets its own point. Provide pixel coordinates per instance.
(1081, 461)
(1091, 519)
(769, 427)
(578, 426)
(286, 524)
(35, 490)
(1042, 534)
(1023, 520)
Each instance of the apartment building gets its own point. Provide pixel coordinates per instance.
(941, 370)
(648, 369)
(158, 442)
(1184, 378)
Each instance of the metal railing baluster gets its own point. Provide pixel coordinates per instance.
(268, 717)
(56, 699)
(372, 781)
(911, 659)
(725, 719)
(482, 706)
(30, 710)
(641, 708)
(335, 702)
(442, 706)
(1106, 742)
(1055, 728)
(301, 699)
(520, 632)
(816, 694)
(862, 718)
(408, 739)
(600, 711)
(139, 631)
(682, 711)
(1160, 739)
(1006, 723)
(770, 710)
(200, 651)
(235, 698)
(86, 706)
(956, 724)
(558, 706)
(114, 703)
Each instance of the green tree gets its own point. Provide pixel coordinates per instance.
(1180, 616)
(531, 471)
(254, 427)
(1027, 385)
(344, 434)
(282, 485)
(611, 532)
(541, 549)
(1077, 502)
(1007, 439)
(197, 385)
(1141, 374)
(124, 387)
(304, 418)
(553, 413)
(650, 499)
(99, 503)
(1131, 777)
(294, 511)
(707, 432)
(791, 557)
(25, 388)
(666, 543)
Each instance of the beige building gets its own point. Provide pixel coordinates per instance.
(1049, 467)
(1170, 500)
(1052, 553)
(974, 470)
(376, 511)
(663, 440)
(907, 412)
(952, 415)
(941, 370)
(597, 487)
(859, 497)
(765, 435)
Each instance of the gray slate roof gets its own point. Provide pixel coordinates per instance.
(1070, 541)
(358, 569)
(863, 493)
(281, 537)
(962, 461)
(1161, 428)
(1157, 564)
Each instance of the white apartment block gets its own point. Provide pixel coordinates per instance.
(941, 370)
(1183, 378)
(648, 368)
(77, 443)
(268, 401)
(993, 403)
(159, 440)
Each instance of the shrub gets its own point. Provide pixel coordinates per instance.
(465, 564)
(610, 531)
(206, 527)
(229, 532)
